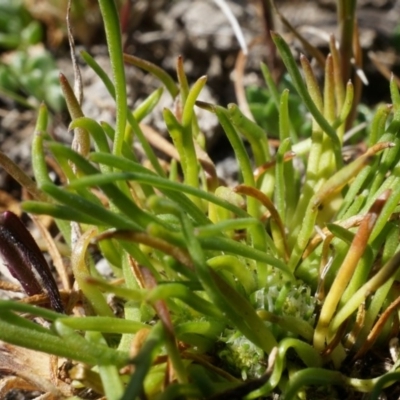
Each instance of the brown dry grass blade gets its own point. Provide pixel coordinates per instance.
(386, 72)
(43, 300)
(325, 264)
(377, 329)
(81, 140)
(10, 287)
(159, 142)
(335, 340)
(54, 253)
(312, 50)
(358, 325)
(21, 177)
(351, 222)
(259, 171)
(137, 273)
(239, 87)
(77, 73)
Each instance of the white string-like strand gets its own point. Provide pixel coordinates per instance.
(237, 30)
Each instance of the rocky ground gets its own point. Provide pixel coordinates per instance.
(201, 33)
(160, 31)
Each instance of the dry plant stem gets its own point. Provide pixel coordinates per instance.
(223, 5)
(42, 300)
(259, 171)
(81, 141)
(346, 271)
(358, 325)
(324, 268)
(312, 50)
(21, 177)
(77, 73)
(386, 72)
(317, 239)
(377, 329)
(11, 287)
(55, 254)
(35, 371)
(240, 90)
(267, 18)
(334, 341)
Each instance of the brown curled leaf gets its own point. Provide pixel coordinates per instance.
(270, 164)
(377, 329)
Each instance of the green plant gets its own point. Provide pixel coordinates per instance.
(228, 292)
(18, 29)
(34, 75)
(28, 69)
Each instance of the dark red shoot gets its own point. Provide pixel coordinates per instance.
(25, 261)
